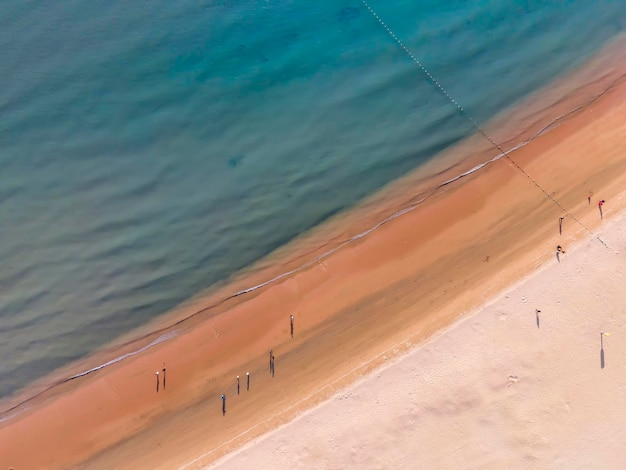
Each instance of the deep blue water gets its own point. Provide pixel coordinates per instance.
(151, 149)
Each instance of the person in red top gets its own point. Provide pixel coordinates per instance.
(600, 204)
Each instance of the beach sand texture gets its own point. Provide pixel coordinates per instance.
(494, 386)
(499, 389)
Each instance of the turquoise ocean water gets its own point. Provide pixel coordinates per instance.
(151, 149)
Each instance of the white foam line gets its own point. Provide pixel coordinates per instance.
(8, 417)
(395, 215)
(160, 339)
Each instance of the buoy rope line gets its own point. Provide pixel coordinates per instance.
(475, 124)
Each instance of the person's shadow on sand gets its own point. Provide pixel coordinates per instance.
(559, 251)
(602, 335)
(601, 358)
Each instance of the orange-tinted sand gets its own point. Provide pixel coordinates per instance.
(371, 299)
(501, 388)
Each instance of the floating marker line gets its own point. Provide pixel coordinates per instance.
(475, 124)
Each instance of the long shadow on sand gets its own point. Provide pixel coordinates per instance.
(601, 358)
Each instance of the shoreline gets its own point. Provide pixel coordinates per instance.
(350, 270)
(163, 325)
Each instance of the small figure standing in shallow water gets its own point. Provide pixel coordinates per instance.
(291, 321)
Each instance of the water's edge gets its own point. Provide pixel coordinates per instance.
(168, 332)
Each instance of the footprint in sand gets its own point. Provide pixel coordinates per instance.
(512, 380)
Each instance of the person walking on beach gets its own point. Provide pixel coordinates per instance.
(157, 377)
(237, 385)
(291, 319)
(561, 225)
(271, 355)
(559, 250)
(248, 379)
(163, 377)
(223, 405)
(600, 204)
(272, 364)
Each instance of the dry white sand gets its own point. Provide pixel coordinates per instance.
(492, 391)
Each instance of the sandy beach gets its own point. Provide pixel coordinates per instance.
(493, 388)
(504, 387)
